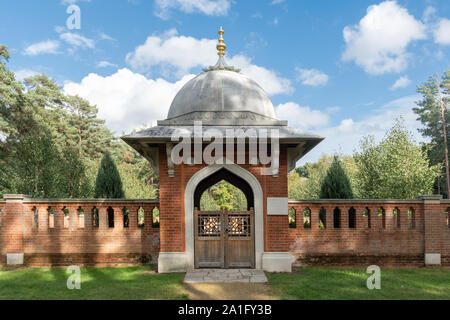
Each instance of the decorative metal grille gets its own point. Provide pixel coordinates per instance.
(239, 225)
(209, 226)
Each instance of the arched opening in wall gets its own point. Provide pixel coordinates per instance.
(65, 211)
(224, 222)
(126, 217)
(322, 218)
(155, 217)
(307, 218)
(382, 215)
(337, 218)
(110, 212)
(412, 218)
(352, 218)
(81, 217)
(223, 195)
(95, 218)
(368, 216)
(141, 217)
(292, 218)
(51, 218)
(223, 190)
(35, 213)
(396, 217)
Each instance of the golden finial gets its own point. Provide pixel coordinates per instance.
(221, 46)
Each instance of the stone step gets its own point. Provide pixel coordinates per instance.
(225, 276)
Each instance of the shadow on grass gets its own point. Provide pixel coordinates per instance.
(131, 283)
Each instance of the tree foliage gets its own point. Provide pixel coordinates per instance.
(336, 184)
(51, 144)
(395, 168)
(223, 195)
(108, 184)
(301, 187)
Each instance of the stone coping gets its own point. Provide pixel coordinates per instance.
(28, 200)
(77, 201)
(355, 201)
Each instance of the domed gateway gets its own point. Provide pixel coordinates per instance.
(222, 126)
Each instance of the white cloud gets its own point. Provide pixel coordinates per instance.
(44, 47)
(276, 2)
(105, 64)
(346, 126)
(402, 82)
(442, 32)
(302, 117)
(345, 137)
(429, 14)
(24, 73)
(208, 7)
(127, 100)
(269, 80)
(379, 42)
(182, 53)
(311, 77)
(77, 40)
(104, 36)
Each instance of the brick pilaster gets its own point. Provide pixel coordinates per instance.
(432, 219)
(13, 227)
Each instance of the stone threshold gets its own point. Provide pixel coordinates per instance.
(225, 276)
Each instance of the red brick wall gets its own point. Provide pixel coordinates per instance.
(80, 243)
(363, 245)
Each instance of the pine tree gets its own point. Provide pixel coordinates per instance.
(108, 184)
(84, 131)
(336, 184)
(435, 118)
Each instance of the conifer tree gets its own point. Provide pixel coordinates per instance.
(108, 184)
(336, 184)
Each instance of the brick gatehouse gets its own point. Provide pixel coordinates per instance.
(271, 234)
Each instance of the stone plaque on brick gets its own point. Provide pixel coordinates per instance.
(14, 259)
(277, 206)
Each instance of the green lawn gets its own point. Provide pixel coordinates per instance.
(350, 283)
(131, 283)
(138, 283)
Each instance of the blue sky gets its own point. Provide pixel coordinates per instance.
(341, 69)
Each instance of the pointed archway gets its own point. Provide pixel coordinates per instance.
(224, 175)
(239, 176)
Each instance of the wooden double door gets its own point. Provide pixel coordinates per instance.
(224, 239)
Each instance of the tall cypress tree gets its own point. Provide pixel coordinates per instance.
(336, 184)
(108, 184)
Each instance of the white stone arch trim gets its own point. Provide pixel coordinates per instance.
(189, 209)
